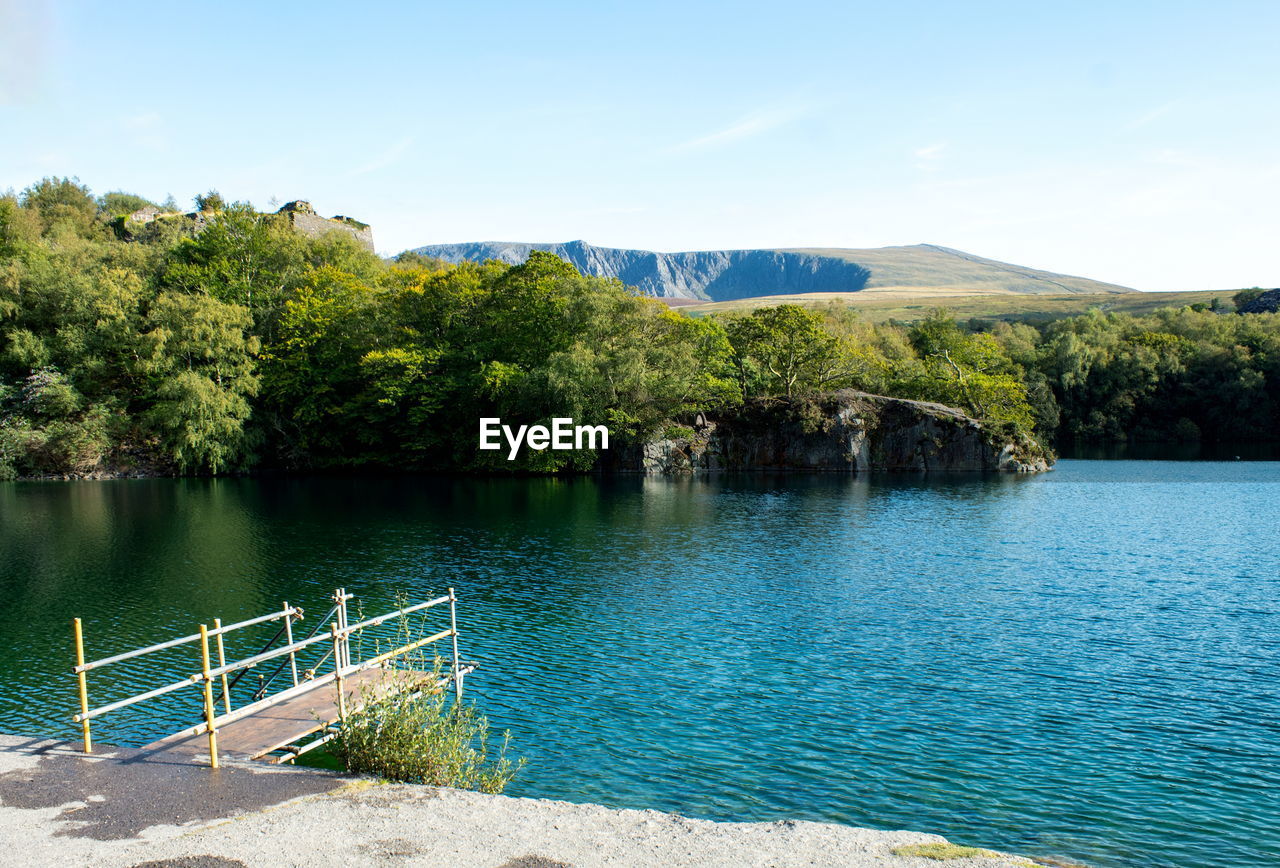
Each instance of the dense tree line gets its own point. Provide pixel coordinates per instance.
(225, 341)
(1177, 374)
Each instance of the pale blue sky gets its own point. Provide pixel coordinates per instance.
(1132, 142)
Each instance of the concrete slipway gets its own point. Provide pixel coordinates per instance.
(121, 807)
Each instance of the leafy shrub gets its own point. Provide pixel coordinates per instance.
(78, 445)
(419, 737)
(1245, 296)
(47, 394)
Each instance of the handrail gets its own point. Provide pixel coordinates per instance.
(250, 662)
(373, 622)
(290, 692)
(132, 700)
(382, 658)
(226, 690)
(306, 643)
(340, 631)
(261, 691)
(172, 643)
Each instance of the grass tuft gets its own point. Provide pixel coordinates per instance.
(942, 852)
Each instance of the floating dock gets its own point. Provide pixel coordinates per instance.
(280, 726)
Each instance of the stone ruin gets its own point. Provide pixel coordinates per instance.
(302, 217)
(305, 220)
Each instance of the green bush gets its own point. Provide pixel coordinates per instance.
(1245, 296)
(420, 737)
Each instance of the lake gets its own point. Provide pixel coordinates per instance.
(1081, 664)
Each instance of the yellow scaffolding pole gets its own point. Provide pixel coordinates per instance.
(84, 687)
(208, 697)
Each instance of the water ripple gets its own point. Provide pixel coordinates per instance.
(1080, 664)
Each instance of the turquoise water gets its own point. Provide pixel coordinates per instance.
(1081, 664)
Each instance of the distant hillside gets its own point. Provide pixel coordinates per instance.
(727, 275)
(902, 305)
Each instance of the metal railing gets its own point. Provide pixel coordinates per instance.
(82, 669)
(339, 648)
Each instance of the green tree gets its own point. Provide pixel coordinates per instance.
(634, 364)
(62, 203)
(783, 350)
(241, 257)
(314, 374)
(967, 371)
(119, 203)
(210, 203)
(202, 365)
(18, 226)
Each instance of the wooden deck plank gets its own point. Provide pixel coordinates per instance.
(275, 726)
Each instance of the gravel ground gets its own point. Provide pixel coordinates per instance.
(119, 809)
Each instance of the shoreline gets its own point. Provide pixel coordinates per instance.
(115, 808)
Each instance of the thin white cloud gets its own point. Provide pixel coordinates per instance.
(744, 128)
(1180, 158)
(142, 121)
(1153, 114)
(927, 157)
(607, 212)
(386, 158)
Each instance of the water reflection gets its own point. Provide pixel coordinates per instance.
(1077, 664)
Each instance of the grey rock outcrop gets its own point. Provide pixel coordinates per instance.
(846, 431)
(145, 214)
(306, 221)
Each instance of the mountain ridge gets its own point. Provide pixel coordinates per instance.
(727, 275)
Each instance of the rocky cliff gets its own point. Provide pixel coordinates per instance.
(714, 274)
(725, 275)
(306, 221)
(846, 431)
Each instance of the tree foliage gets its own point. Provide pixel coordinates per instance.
(1175, 374)
(970, 371)
(225, 340)
(784, 350)
(201, 362)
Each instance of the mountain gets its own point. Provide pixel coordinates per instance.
(725, 275)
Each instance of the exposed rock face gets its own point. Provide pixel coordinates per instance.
(1268, 302)
(146, 214)
(846, 431)
(712, 274)
(724, 275)
(301, 216)
(306, 221)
